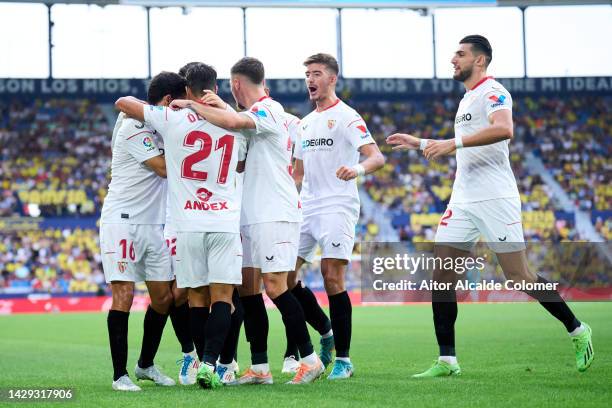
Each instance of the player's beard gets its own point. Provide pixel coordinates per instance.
(238, 105)
(463, 75)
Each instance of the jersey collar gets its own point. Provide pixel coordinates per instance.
(330, 106)
(483, 80)
(263, 97)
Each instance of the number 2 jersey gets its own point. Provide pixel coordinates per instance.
(201, 161)
(136, 194)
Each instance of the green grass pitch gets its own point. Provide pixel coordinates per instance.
(512, 355)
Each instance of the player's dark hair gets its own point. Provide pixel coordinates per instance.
(480, 45)
(166, 83)
(201, 77)
(183, 71)
(250, 67)
(321, 58)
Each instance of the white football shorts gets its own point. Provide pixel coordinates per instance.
(270, 246)
(334, 233)
(498, 221)
(134, 253)
(203, 258)
(170, 238)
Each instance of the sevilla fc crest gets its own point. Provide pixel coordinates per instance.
(203, 194)
(122, 266)
(331, 123)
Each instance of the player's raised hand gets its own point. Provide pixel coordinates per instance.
(437, 148)
(179, 104)
(403, 141)
(212, 99)
(346, 173)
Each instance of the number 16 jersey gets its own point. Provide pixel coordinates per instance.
(201, 161)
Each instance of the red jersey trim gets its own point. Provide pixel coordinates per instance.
(481, 82)
(356, 120)
(271, 115)
(331, 106)
(139, 133)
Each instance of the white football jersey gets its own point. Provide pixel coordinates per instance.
(269, 189)
(326, 141)
(136, 195)
(168, 227)
(293, 125)
(483, 172)
(118, 124)
(168, 223)
(201, 163)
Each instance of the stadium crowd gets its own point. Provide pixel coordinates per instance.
(574, 140)
(54, 157)
(55, 160)
(409, 184)
(51, 260)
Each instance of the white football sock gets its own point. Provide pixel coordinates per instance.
(448, 359)
(328, 334)
(261, 368)
(345, 359)
(310, 359)
(578, 330)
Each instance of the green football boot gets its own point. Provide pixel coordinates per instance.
(207, 377)
(440, 369)
(584, 348)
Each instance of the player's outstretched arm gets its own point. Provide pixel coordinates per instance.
(216, 115)
(403, 141)
(374, 161)
(501, 129)
(132, 107)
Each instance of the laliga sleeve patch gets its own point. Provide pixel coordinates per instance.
(147, 142)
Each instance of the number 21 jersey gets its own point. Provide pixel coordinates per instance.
(201, 161)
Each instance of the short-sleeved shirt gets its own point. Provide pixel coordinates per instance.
(326, 141)
(293, 125)
(483, 172)
(269, 192)
(136, 194)
(201, 163)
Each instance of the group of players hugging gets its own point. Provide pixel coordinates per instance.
(208, 205)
